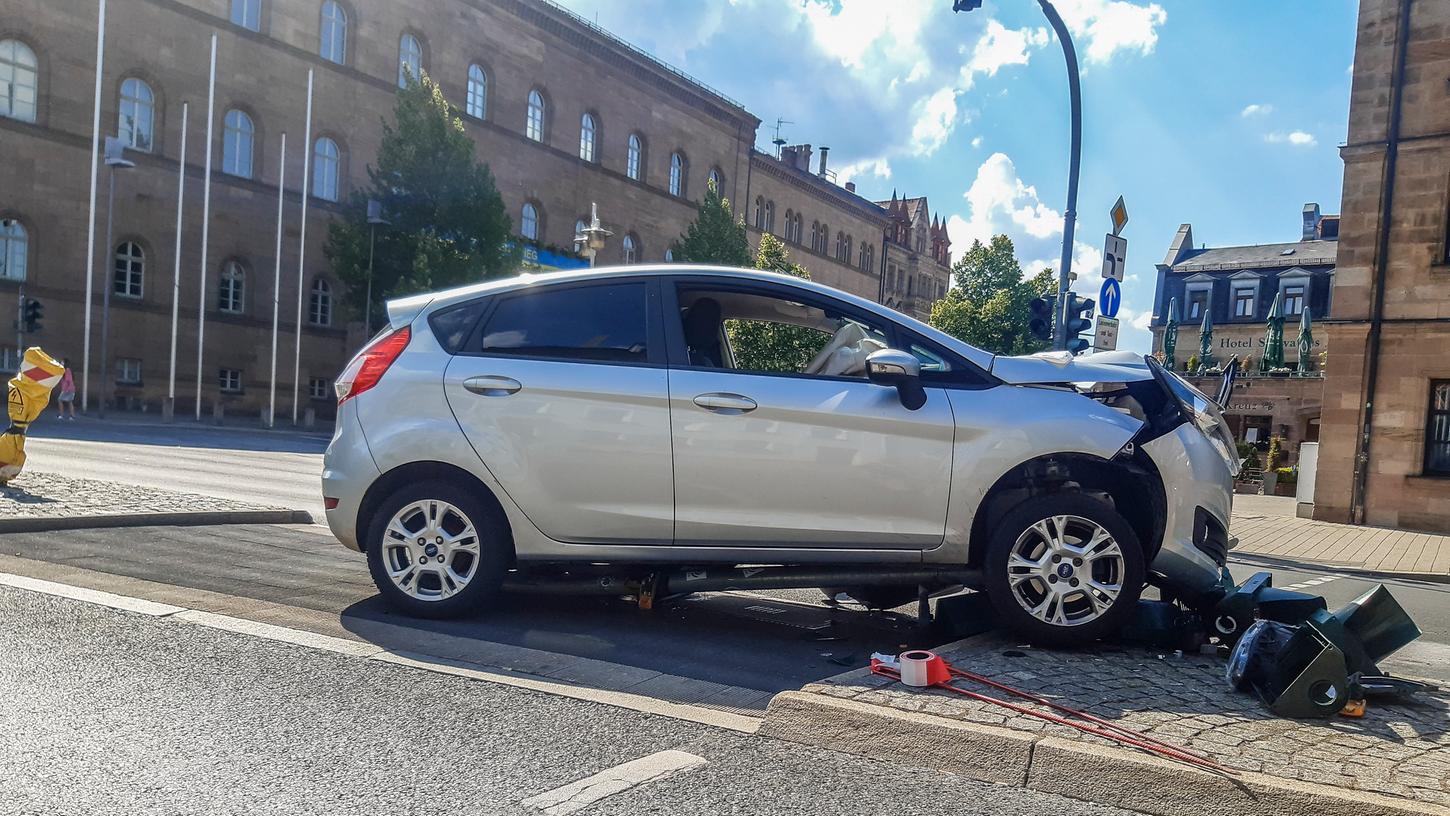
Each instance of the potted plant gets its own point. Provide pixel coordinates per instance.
(1286, 481)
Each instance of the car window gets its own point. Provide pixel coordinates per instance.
(931, 362)
(452, 326)
(752, 331)
(586, 323)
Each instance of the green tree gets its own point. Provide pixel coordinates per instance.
(448, 225)
(988, 304)
(715, 236)
(764, 346)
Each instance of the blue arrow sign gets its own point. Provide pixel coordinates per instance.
(1110, 298)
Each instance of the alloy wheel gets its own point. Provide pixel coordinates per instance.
(430, 550)
(1066, 570)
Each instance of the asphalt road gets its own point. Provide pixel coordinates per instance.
(116, 713)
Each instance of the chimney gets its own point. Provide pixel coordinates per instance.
(824, 151)
(1311, 222)
(787, 155)
(850, 186)
(797, 156)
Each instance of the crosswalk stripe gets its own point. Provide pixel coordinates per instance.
(578, 795)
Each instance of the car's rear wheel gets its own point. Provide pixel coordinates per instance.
(1064, 568)
(437, 551)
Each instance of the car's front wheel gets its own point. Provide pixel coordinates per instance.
(1063, 569)
(437, 551)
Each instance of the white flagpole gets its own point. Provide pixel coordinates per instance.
(302, 253)
(205, 220)
(91, 222)
(176, 273)
(277, 282)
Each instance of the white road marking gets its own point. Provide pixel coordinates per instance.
(576, 796)
(1314, 582)
(367, 651)
(93, 596)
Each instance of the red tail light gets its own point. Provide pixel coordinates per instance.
(368, 367)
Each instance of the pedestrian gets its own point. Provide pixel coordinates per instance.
(67, 393)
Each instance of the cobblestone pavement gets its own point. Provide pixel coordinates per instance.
(35, 494)
(1396, 750)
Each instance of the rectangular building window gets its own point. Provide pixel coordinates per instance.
(1197, 303)
(247, 14)
(128, 371)
(1244, 302)
(319, 388)
(1437, 430)
(9, 359)
(229, 380)
(1293, 300)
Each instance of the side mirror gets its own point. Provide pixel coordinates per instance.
(900, 370)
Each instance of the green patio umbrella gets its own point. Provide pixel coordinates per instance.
(1170, 336)
(1274, 339)
(1306, 341)
(1205, 343)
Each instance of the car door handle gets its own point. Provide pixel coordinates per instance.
(491, 386)
(726, 403)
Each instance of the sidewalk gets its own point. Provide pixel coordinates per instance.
(38, 501)
(1264, 532)
(1395, 760)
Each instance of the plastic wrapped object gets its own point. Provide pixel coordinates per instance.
(28, 394)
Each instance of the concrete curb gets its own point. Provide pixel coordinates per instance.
(203, 518)
(1257, 560)
(1087, 771)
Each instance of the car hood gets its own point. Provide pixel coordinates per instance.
(1050, 367)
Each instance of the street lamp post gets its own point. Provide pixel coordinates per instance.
(115, 159)
(1069, 216)
(375, 217)
(591, 240)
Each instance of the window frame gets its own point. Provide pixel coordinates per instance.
(121, 363)
(135, 270)
(678, 169)
(326, 388)
(1245, 294)
(965, 374)
(17, 67)
(252, 7)
(333, 32)
(319, 162)
(1431, 415)
(629, 249)
(7, 248)
(536, 128)
(312, 294)
(529, 207)
(251, 133)
(221, 388)
(634, 151)
(476, 91)
(589, 137)
(241, 294)
(403, 74)
(655, 354)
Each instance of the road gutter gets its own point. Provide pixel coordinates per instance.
(200, 518)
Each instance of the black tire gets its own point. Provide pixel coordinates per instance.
(485, 581)
(875, 597)
(1085, 614)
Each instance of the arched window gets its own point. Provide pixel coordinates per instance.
(587, 130)
(580, 226)
(319, 303)
(19, 78)
(477, 105)
(789, 226)
(770, 216)
(137, 115)
(718, 179)
(410, 60)
(825, 239)
(529, 222)
(231, 295)
(326, 169)
(677, 174)
(629, 249)
(760, 212)
(333, 35)
(800, 228)
(669, 255)
(247, 14)
(534, 128)
(130, 269)
(840, 244)
(14, 249)
(634, 161)
(846, 256)
(237, 135)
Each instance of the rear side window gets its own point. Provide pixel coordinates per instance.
(586, 323)
(453, 326)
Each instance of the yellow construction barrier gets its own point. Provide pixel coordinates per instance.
(29, 393)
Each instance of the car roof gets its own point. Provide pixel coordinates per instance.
(403, 311)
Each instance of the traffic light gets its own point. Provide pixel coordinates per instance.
(1079, 320)
(34, 312)
(1039, 323)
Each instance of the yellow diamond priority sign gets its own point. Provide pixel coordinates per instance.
(1120, 215)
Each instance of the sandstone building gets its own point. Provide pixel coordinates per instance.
(565, 114)
(1385, 455)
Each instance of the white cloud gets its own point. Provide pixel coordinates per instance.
(935, 118)
(1297, 138)
(854, 171)
(999, 202)
(880, 40)
(1256, 109)
(1105, 27)
(999, 47)
(976, 141)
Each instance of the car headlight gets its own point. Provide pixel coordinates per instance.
(1207, 415)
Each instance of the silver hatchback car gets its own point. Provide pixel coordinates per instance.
(621, 423)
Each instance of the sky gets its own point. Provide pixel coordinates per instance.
(1226, 114)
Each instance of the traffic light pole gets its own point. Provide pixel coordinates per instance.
(1069, 216)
